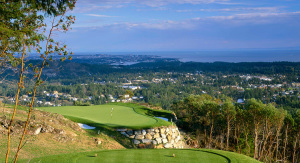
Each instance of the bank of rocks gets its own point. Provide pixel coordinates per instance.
(159, 137)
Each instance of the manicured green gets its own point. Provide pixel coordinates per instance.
(150, 156)
(130, 116)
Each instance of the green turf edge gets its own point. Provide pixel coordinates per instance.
(231, 157)
(152, 113)
(142, 110)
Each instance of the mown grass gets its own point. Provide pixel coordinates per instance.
(149, 156)
(122, 116)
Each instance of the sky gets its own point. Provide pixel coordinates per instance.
(183, 25)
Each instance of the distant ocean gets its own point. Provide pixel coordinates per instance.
(226, 56)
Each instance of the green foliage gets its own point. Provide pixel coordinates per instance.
(79, 103)
(252, 122)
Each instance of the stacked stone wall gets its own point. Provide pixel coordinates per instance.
(159, 137)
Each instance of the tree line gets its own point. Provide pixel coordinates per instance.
(259, 130)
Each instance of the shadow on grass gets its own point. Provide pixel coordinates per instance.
(229, 161)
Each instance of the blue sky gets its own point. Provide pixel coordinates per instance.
(183, 25)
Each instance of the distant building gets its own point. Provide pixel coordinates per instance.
(239, 101)
(39, 102)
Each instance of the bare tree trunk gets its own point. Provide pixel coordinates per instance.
(277, 144)
(285, 142)
(246, 140)
(295, 147)
(255, 142)
(263, 147)
(20, 85)
(237, 138)
(211, 131)
(222, 140)
(228, 134)
(34, 93)
(205, 143)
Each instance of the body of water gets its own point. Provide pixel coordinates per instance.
(226, 56)
(85, 126)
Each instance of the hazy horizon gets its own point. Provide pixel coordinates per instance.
(183, 25)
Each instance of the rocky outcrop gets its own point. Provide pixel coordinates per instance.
(159, 137)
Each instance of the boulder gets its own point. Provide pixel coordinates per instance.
(159, 146)
(168, 145)
(142, 146)
(139, 137)
(158, 140)
(122, 129)
(136, 141)
(156, 135)
(144, 132)
(176, 134)
(162, 130)
(149, 146)
(163, 136)
(146, 141)
(176, 145)
(129, 132)
(132, 136)
(173, 136)
(164, 141)
(172, 141)
(148, 131)
(169, 138)
(173, 130)
(152, 130)
(154, 142)
(152, 133)
(148, 136)
(137, 132)
(124, 133)
(98, 141)
(167, 130)
(156, 130)
(37, 131)
(47, 129)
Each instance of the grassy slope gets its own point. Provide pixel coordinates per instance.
(75, 139)
(123, 115)
(151, 155)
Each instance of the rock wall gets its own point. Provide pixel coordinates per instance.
(159, 137)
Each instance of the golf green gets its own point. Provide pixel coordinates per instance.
(150, 156)
(105, 115)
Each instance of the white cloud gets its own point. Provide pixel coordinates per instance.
(88, 7)
(252, 18)
(196, 23)
(261, 9)
(255, 15)
(151, 3)
(158, 3)
(102, 16)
